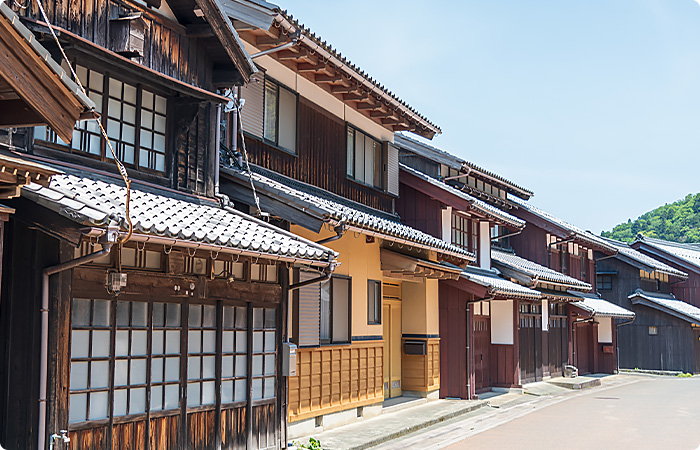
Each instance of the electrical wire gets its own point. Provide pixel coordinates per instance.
(245, 155)
(120, 166)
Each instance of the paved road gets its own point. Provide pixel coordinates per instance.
(632, 413)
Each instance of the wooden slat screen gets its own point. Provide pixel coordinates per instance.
(252, 111)
(392, 170)
(309, 311)
(336, 378)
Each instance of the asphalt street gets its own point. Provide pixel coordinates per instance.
(632, 413)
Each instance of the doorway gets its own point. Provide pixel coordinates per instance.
(391, 317)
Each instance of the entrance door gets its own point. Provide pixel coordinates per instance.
(558, 339)
(453, 343)
(391, 317)
(530, 343)
(583, 347)
(482, 345)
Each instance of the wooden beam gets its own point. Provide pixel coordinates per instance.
(197, 30)
(368, 106)
(26, 73)
(403, 127)
(345, 89)
(354, 97)
(291, 55)
(322, 78)
(306, 67)
(383, 114)
(266, 41)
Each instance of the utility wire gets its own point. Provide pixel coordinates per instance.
(245, 154)
(120, 166)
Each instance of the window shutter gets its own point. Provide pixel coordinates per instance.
(252, 111)
(392, 169)
(287, 120)
(309, 310)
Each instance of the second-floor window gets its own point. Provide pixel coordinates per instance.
(604, 282)
(270, 113)
(465, 232)
(135, 122)
(364, 158)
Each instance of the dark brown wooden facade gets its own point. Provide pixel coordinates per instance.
(320, 158)
(674, 346)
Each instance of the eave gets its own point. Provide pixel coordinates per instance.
(34, 89)
(323, 66)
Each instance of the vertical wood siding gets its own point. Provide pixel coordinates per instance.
(321, 157)
(419, 211)
(502, 361)
(331, 379)
(421, 372)
(453, 342)
(233, 435)
(166, 48)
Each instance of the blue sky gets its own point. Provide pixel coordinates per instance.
(593, 105)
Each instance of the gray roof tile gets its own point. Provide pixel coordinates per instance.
(532, 269)
(94, 202)
(577, 232)
(599, 307)
(337, 208)
(624, 249)
(670, 303)
(689, 252)
(497, 285)
(479, 205)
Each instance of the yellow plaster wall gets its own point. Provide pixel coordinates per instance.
(359, 260)
(319, 96)
(420, 307)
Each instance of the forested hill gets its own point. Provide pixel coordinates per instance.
(678, 222)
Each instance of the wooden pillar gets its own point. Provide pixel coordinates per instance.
(516, 343)
(471, 372)
(595, 347)
(570, 319)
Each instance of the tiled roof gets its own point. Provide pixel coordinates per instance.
(534, 270)
(687, 252)
(574, 231)
(599, 307)
(95, 202)
(455, 162)
(624, 249)
(339, 209)
(667, 303)
(478, 205)
(40, 50)
(378, 89)
(497, 285)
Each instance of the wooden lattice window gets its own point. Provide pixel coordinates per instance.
(201, 355)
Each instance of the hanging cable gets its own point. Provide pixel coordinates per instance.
(247, 164)
(120, 166)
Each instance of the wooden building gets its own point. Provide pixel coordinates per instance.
(138, 310)
(315, 153)
(683, 257)
(665, 333)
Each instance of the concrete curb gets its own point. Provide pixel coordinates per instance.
(410, 429)
(574, 385)
(663, 373)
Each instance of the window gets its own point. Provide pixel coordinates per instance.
(90, 359)
(270, 112)
(653, 331)
(364, 158)
(201, 355)
(604, 282)
(264, 354)
(234, 384)
(464, 232)
(165, 361)
(135, 119)
(114, 343)
(335, 310)
(374, 302)
(131, 358)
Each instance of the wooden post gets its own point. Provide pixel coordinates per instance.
(516, 344)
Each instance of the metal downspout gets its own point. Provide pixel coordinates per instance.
(339, 232)
(325, 277)
(108, 240)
